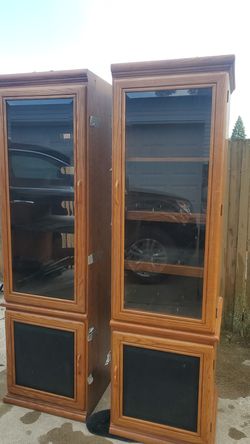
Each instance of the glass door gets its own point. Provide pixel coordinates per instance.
(41, 179)
(43, 148)
(167, 151)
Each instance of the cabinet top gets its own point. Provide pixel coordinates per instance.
(48, 77)
(223, 63)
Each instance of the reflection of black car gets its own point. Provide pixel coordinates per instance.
(37, 171)
(155, 241)
(39, 178)
(42, 209)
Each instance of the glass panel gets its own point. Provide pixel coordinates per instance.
(44, 359)
(41, 176)
(174, 295)
(161, 387)
(167, 162)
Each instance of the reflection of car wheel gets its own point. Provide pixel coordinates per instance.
(156, 248)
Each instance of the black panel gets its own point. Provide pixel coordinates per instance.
(161, 387)
(44, 359)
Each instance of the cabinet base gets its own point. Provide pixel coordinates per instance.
(152, 438)
(76, 415)
(140, 437)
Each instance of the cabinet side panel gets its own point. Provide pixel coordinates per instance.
(99, 233)
(219, 187)
(226, 286)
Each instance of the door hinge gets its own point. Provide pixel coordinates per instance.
(227, 96)
(214, 364)
(108, 358)
(216, 312)
(90, 379)
(91, 259)
(94, 121)
(221, 209)
(211, 427)
(91, 333)
(96, 256)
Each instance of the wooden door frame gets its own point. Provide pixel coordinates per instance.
(79, 95)
(80, 367)
(219, 83)
(149, 431)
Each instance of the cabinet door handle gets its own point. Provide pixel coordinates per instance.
(79, 191)
(78, 364)
(115, 375)
(117, 192)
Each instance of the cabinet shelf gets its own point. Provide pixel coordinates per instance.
(178, 270)
(163, 216)
(168, 159)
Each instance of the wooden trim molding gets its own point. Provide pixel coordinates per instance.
(34, 404)
(20, 307)
(48, 77)
(170, 333)
(223, 63)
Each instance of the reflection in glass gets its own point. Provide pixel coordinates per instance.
(167, 160)
(41, 179)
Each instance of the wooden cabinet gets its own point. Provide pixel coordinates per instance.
(162, 388)
(55, 172)
(169, 157)
(48, 360)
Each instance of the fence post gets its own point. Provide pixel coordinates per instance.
(240, 315)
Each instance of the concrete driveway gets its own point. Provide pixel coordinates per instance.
(23, 426)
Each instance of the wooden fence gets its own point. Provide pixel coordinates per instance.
(236, 317)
